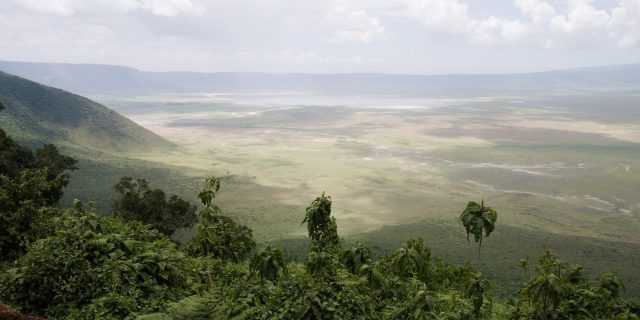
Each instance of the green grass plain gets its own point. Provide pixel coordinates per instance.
(562, 170)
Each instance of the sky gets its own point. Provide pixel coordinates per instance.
(324, 36)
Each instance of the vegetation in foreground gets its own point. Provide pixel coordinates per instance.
(75, 264)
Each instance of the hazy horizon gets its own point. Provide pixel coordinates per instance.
(325, 73)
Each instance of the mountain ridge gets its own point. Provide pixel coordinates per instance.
(113, 79)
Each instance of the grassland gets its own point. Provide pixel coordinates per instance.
(562, 170)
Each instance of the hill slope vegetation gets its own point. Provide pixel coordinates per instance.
(36, 113)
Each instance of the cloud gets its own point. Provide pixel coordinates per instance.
(323, 35)
(168, 8)
(452, 17)
(539, 11)
(448, 16)
(497, 30)
(580, 25)
(352, 25)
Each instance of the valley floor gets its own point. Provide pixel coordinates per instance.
(562, 170)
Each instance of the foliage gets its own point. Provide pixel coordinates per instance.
(28, 183)
(413, 260)
(58, 170)
(561, 291)
(321, 226)
(98, 267)
(13, 157)
(135, 201)
(268, 263)
(218, 235)
(356, 257)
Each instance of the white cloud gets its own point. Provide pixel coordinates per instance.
(452, 17)
(448, 16)
(581, 25)
(625, 20)
(104, 7)
(352, 25)
(495, 30)
(539, 11)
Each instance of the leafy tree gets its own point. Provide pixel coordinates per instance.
(611, 283)
(479, 221)
(321, 264)
(13, 157)
(477, 290)
(95, 267)
(21, 204)
(217, 235)
(420, 306)
(321, 226)
(58, 167)
(545, 291)
(268, 263)
(135, 201)
(412, 260)
(355, 257)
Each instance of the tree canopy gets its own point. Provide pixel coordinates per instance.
(136, 201)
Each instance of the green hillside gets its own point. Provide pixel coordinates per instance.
(104, 141)
(37, 113)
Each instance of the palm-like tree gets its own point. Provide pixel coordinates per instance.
(479, 221)
(268, 263)
(524, 265)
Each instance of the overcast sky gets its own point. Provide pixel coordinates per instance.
(401, 36)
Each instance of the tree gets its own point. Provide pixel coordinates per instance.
(268, 263)
(545, 291)
(135, 201)
(14, 158)
(98, 267)
(524, 265)
(28, 184)
(321, 226)
(479, 221)
(59, 168)
(412, 260)
(356, 256)
(321, 265)
(611, 283)
(21, 203)
(217, 235)
(477, 291)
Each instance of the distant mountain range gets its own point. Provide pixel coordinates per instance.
(119, 80)
(35, 114)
